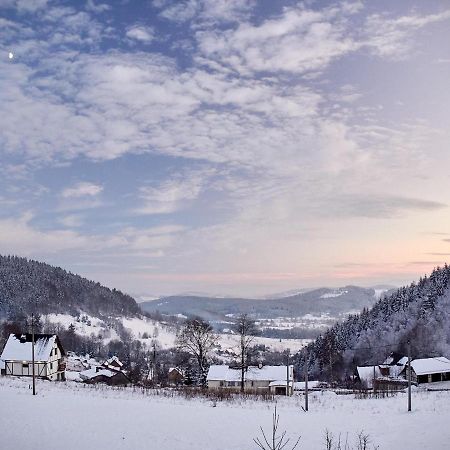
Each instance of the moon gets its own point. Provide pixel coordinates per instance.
(10, 55)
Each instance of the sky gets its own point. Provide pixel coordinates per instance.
(229, 147)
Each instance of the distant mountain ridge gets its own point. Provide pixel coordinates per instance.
(334, 302)
(28, 286)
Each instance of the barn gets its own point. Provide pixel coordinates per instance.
(429, 370)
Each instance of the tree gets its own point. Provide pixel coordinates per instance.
(197, 338)
(246, 328)
(274, 441)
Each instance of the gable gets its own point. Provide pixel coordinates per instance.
(18, 347)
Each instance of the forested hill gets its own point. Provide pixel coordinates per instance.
(419, 313)
(29, 286)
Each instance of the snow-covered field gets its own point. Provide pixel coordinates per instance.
(74, 417)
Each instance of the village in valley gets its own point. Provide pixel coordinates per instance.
(224, 225)
(45, 353)
(37, 364)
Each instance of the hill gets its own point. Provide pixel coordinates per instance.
(302, 315)
(30, 286)
(419, 313)
(333, 302)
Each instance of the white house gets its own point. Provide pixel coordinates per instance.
(48, 356)
(265, 378)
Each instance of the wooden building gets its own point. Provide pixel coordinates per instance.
(429, 370)
(49, 362)
(175, 376)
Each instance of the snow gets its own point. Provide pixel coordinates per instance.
(294, 345)
(91, 373)
(79, 416)
(431, 365)
(333, 294)
(17, 350)
(155, 330)
(91, 325)
(301, 385)
(265, 373)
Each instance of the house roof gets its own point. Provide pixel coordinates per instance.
(265, 373)
(280, 383)
(365, 374)
(18, 347)
(113, 361)
(92, 373)
(431, 365)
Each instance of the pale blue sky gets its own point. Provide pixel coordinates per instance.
(226, 146)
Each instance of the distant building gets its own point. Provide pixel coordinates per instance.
(49, 355)
(367, 374)
(113, 363)
(101, 375)
(175, 376)
(428, 370)
(272, 379)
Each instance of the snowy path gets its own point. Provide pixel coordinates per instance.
(75, 417)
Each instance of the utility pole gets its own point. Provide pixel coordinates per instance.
(409, 375)
(32, 354)
(373, 381)
(287, 373)
(155, 375)
(306, 381)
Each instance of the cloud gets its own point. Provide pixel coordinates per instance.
(97, 7)
(178, 11)
(395, 37)
(19, 236)
(379, 206)
(82, 189)
(298, 41)
(141, 33)
(71, 221)
(205, 12)
(172, 195)
(24, 6)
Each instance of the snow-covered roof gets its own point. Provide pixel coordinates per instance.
(91, 373)
(113, 361)
(402, 361)
(300, 385)
(365, 374)
(431, 365)
(280, 383)
(18, 347)
(265, 373)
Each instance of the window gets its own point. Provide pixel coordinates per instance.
(25, 365)
(51, 366)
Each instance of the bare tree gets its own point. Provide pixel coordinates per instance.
(274, 441)
(197, 338)
(246, 328)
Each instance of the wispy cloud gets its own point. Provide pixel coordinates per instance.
(82, 189)
(172, 195)
(140, 33)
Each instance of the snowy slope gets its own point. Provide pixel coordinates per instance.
(88, 417)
